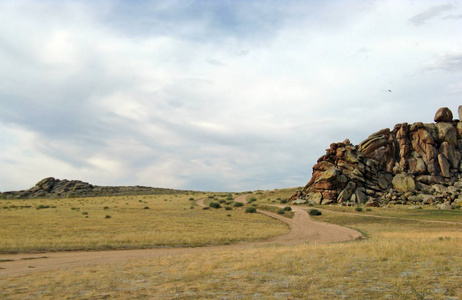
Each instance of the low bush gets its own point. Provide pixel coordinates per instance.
(251, 210)
(288, 208)
(206, 208)
(253, 199)
(238, 204)
(281, 211)
(107, 216)
(41, 206)
(228, 208)
(214, 204)
(314, 212)
(283, 201)
(146, 207)
(359, 209)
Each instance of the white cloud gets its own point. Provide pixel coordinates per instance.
(212, 95)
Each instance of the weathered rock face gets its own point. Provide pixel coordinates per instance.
(403, 164)
(55, 188)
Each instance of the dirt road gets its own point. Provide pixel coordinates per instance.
(302, 230)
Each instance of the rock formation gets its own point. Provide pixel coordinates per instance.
(55, 188)
(416, 163)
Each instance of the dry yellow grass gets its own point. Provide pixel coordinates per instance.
(135, 222)
(393, 267)
(402, 211)
(400, 260)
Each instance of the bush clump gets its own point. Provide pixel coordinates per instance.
(288, 208)
(228, 208)
(284, 201)
(253, 199)
(238, 204)
(214, 204)
(314, 212)
(281, 211)
(251, 210)
(359, 209)
(41, 206)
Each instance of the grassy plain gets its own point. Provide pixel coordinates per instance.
(125, 222)
(403, 212)
(401, 259)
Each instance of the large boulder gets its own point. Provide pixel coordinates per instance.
(404, 183)
(443, 114)
(46, 184)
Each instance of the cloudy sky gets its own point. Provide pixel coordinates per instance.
(213, 95)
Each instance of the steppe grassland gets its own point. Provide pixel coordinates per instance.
(426, 212)
(400, 260)
(125, 222)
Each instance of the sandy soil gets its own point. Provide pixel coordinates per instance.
(302, 230)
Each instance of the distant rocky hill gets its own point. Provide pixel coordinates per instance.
(55, 188)
(412, 163)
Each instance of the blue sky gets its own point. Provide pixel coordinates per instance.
(213, 95)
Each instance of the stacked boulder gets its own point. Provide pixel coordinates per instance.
(415, 163)
(56, 188)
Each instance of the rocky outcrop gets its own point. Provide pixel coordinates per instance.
(55, 188)
(416, 163)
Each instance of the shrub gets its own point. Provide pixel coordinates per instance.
(281, 211)
(284, 201)
(314, 212)
(205, 208)
(107, 217)
(238, 204)
(41, 206)
(146, 207)
(228, 208)
(214, 204)
(368, 209)
(251, 210)
(222, 201)
(191, 199)
(106, 207)
(359, 209)
(84, 213)
(230, 202)
(288, 208)
(253, 199)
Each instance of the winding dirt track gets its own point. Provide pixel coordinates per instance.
(302, 230)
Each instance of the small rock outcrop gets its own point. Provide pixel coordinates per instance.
(416, 163)
(56, 188)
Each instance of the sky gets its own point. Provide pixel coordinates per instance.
(213, 95)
